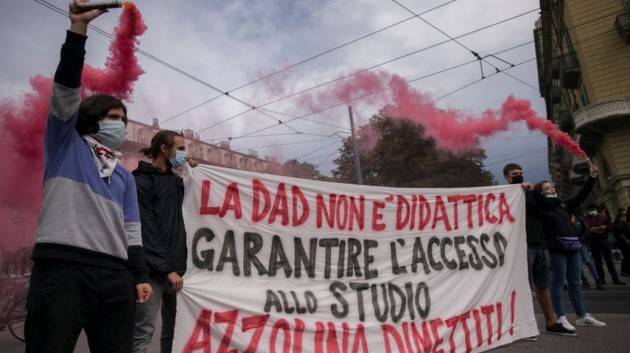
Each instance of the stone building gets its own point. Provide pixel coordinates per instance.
(139, 135)
(583, 55)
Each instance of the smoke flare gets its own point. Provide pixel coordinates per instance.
(22, 124)
(452, 129)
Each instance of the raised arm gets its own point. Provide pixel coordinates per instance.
(66, 94)
(65, 99)
(577, 200)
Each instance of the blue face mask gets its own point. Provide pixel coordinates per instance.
(179, 159)
(111, 133)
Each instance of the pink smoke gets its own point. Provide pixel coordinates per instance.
(22, 123)
(121, 68)
(452, 129)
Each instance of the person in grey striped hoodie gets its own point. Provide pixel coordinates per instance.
(88, 270)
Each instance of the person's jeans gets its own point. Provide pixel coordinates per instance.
(625, 263)
(599, 250)
(566, 266)
(587, 259)
(164, 298)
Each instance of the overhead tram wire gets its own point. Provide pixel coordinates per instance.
(441, 71)
(297, 143)
(480, 80)
(521, 155)
(328, 51)
(313, 57)
(416, 52)
(502, 156)
(234, 116)
(325, 159)
(318, 149)
(159, 61)
(484, 58)
(154, 58)
(356, 99)
(370, 68)
(474, 53)
(261, 107)
(334, 134)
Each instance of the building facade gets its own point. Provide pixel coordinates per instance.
(583, 56)
(139, 136)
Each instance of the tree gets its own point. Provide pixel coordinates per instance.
(403, 156)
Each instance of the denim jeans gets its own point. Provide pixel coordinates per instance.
(164, 298)
(566, 266)
(587, 259)
(599, 250)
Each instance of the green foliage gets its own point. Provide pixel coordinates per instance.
(404, 157)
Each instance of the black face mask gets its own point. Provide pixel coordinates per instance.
(518, 179)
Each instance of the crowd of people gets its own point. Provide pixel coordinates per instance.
(561, 238)
(110, 250)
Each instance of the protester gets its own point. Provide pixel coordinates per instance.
(599, 225)
(565, 247)
(622, 237)
(585, 253)
(89, 269)
(160, 196)
(537, 253)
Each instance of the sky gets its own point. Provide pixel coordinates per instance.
(226, 44)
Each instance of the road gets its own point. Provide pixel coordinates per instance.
(611, 306)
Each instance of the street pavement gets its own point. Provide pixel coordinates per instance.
(611, 306)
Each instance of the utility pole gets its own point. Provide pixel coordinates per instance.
(357, 160)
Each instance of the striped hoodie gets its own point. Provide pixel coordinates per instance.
(84, 218)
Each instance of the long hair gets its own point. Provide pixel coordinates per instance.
(94, 109)
(164, 137)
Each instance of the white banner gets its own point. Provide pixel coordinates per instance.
(286, 265)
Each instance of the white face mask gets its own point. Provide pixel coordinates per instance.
(551, 196)
(111, 133)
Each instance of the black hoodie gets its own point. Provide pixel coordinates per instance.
(556, 216)
(160, 198)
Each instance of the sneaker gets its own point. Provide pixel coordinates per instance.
(562, 320)
(589, 320)
(619, 282)
(531, 339)
(559, 329)
(600, 286)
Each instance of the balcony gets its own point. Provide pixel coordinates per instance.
(622, 24)
(601, 115)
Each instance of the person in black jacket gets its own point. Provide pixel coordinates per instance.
(160, 198)
(564, 246)
(537, 253)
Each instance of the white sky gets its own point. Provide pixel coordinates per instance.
(228, 43)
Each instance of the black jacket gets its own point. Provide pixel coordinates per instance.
(556, 216)
(160, 198)
(533, 221)
(622, 232)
